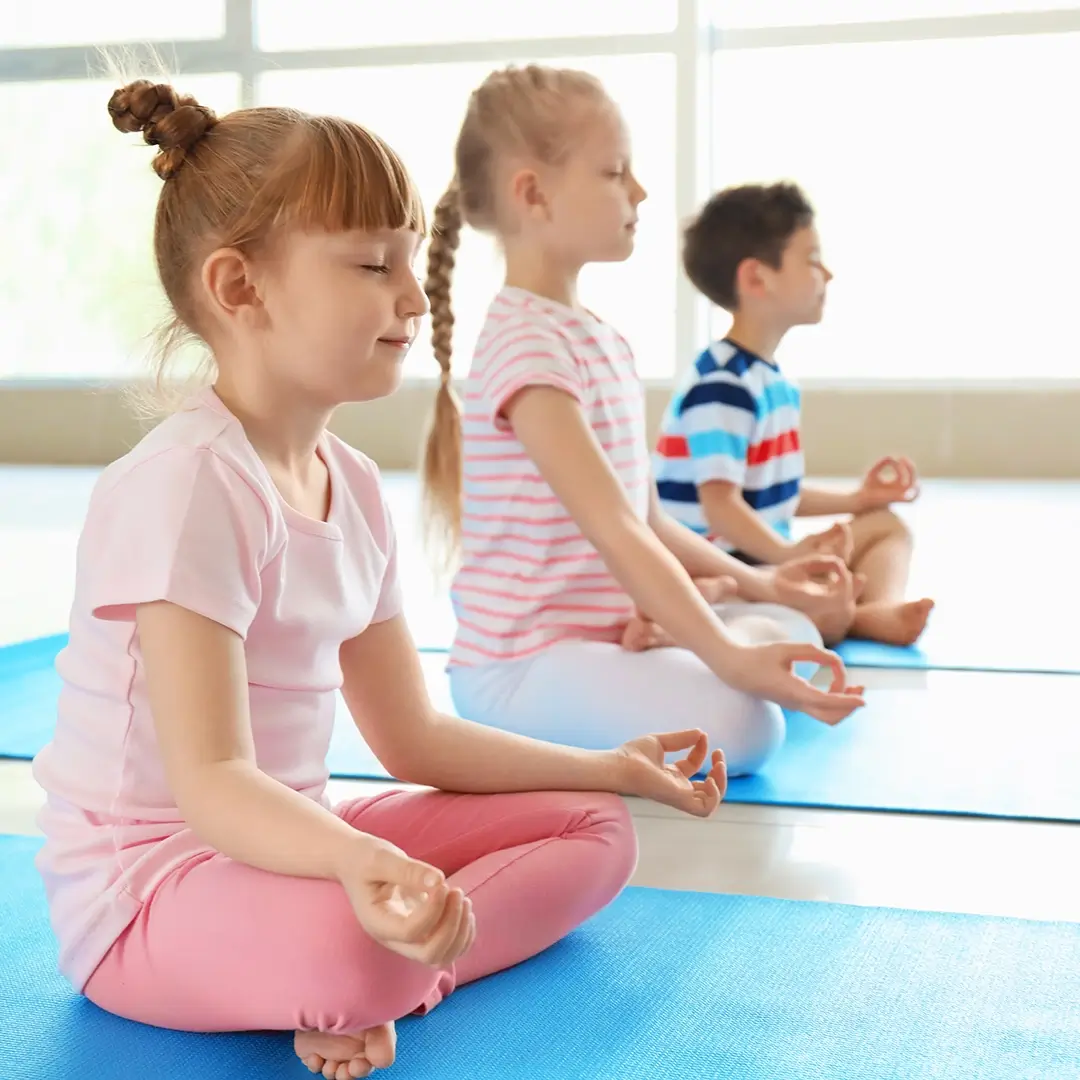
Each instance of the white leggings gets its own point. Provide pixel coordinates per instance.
(597, 695)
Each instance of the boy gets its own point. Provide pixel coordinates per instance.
(729, 461)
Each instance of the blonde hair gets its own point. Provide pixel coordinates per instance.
(513, 111)
(232, 181)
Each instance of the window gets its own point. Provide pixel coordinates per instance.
(32, 25)
(78, 291)
(418, 110)
(945, 180)
(732, 14)
(933, 139)
(319, 24)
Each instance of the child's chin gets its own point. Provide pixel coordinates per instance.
(376, 385)
(619, 251)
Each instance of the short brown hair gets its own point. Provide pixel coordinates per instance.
(753, 221)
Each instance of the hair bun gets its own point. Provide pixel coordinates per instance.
(174, 123)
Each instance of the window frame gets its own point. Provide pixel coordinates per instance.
(693, 42)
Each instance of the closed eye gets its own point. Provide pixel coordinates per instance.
(380, 268)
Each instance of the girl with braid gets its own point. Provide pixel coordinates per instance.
(238, 567)
(539, 487)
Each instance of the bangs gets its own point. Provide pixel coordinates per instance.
(343, 177)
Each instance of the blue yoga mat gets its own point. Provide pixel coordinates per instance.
(1004, 746)
(666, 985)
(975, 641)
(29, 687)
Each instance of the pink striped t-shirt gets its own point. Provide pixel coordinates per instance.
(529, 578)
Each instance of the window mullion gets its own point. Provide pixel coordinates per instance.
(693, 106)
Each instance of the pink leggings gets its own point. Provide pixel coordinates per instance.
(221, 946)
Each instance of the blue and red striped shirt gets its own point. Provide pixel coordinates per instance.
(736, 419)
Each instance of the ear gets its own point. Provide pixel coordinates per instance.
(229, 285)
(527, 194)
(751, 280)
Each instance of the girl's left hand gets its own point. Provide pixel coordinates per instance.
(645, 772)
(817, 585)
(890, 480)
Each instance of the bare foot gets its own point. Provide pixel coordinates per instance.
(344, 1057)
(892, 623)
(641, 634)
(715, 590)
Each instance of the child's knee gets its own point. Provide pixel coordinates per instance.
(760, 739)
(798, 627)
(607, 816)
(623, 838)
(352, 998)
(765, 623)
(875, 525)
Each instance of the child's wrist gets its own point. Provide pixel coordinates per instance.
(727, 662)
(760, 585)
(354, 853)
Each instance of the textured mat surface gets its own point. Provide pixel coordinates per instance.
(996, 746)
(663, 985)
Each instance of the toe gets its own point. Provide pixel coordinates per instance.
(380, 1046)
(358, 1067)
(314, 1063)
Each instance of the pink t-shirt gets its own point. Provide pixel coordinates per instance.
(191, 516)
(529, 578)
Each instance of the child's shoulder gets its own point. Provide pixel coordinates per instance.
(517, 308)
(724, 375)
(521, 321)
(724, 361)
(199, 446)
(520, 326)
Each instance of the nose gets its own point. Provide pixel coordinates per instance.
(413, 302)
(828, 274)
(639, 194)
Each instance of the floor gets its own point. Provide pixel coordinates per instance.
(983, 866)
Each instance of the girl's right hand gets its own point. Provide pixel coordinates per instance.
(406, 905)
(766, 672)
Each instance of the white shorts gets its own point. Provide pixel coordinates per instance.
(597, 695)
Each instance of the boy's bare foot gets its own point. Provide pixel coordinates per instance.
(715, 590)
(641, 634)
(345, 1057)
(892, 623)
